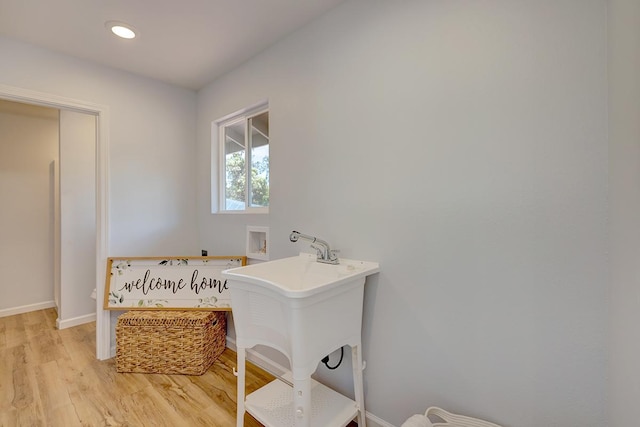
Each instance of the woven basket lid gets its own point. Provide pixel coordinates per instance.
(167, 317)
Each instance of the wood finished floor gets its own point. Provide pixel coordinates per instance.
(50, 377)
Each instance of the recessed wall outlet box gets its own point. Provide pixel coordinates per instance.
(258, 243)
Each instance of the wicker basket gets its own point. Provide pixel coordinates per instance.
(169, 342)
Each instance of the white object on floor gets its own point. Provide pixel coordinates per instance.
(449, 420)
(417, 421)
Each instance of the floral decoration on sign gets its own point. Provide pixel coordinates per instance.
(122, 266)
(116, 298)
(174, 262)
(207, 302)
(153, 303)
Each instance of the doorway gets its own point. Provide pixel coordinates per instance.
(103, 327)
(29, 148)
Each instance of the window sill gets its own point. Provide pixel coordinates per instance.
(251, 212)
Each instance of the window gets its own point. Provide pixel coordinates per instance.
(244, 161)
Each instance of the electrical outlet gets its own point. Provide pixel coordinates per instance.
(204, 252)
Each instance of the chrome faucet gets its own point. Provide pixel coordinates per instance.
(324, 252)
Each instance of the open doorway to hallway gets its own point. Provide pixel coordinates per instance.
(48, 211)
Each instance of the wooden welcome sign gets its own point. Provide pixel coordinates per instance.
(165, 283)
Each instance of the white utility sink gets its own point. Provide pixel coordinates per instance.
(306, 310)
(301, 276)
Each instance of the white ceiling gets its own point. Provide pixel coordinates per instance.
(182, 42)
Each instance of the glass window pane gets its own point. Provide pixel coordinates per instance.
(235, 172)
(259, 188)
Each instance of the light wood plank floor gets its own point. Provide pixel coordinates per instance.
(52, 378)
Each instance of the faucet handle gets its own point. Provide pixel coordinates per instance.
(319, 251)
(333, 254)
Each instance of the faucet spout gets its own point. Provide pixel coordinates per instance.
(325, 254)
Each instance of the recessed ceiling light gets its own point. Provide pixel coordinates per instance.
(121, 29)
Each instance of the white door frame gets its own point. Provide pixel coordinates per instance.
(103, 318)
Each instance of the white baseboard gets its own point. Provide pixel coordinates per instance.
(80, 320)
(278, 370)
(373, 421)
(27, 308)
(258, 359)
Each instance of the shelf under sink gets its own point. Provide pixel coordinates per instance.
(272, 405)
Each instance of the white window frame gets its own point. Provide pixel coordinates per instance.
(219, 130)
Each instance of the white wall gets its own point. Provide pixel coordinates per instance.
(28, 146)
(624, 148)
(78, 214)
(151, 140)
(463, 145)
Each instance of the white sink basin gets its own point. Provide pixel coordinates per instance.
(301, 276)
